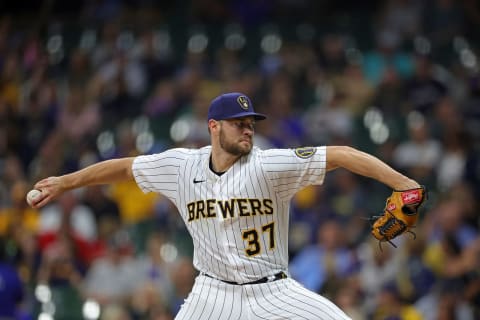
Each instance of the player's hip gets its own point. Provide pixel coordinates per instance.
(284, 298)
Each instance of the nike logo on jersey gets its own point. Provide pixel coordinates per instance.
(197, 181)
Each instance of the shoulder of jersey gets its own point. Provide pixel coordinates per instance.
(192, 151)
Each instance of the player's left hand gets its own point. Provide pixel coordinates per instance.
(400, 214)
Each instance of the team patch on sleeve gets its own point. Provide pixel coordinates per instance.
(305, 152)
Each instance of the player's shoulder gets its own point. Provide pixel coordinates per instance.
(191, 151)
(268, 155)
(301, 152)
(199, 152)
(178, 154)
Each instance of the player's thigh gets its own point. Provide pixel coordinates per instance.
(287, 299)
(211, 299)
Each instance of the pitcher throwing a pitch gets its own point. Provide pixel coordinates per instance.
(234, 199)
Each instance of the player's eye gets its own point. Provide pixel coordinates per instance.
(240, 125)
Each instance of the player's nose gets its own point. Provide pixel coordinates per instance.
(248, 132)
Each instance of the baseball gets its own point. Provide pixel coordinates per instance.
(33, 195)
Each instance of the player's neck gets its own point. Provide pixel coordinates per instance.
(218, 173)
(220, 162)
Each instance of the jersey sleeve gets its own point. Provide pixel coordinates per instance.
(159, 172)
(290, 170)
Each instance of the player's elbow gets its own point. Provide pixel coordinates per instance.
(127, 168)
(337, 155)
(118, 170)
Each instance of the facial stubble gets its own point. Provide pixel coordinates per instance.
(233, 148)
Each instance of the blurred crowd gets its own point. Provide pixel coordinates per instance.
(122, 79)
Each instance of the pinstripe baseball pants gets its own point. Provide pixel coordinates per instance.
(284, 299)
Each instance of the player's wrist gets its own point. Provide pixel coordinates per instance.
(66, 182)
(406, 184)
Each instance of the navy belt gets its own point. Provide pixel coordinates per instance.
(275, 277)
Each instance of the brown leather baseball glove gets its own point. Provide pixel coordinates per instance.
(399, 215)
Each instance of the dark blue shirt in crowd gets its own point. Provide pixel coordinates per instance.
(11, 291)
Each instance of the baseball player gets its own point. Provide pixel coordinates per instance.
(234, 199)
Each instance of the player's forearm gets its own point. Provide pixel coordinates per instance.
(367, 165)
(105, 172)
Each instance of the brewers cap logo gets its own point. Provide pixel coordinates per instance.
(243, 102)
(305, 152)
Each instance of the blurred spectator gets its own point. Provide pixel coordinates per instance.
(183, 276)
(105, 210)
(390, 306)
(11, 172)
(423, 90)
(115, 311)
(387, 54)
(470, 106)
(131, 210)
(71, 219)
(38, 118)
(447, 120)
(155, 56)
(113, 277)
(10, 85)
(282, 111)
(416, 279)
(194, 114)
(126, 194)
(444, 302)
(12, 291)
(62, 274)
(378, 267)
(122, 83)
(419, 155)
(18, 215)
(452, 253)
(446, 224)
(402, 17)
(228, 66)
(330, 121)
(321, 266)
(19, 228)
(347, 199)
(349, 299)
(451, 165)
(331, 55)
(465, 196)
(389, 94)
(160, 107)
(356, 90)
(443, 20)
(154, 271)
(79, 69)
(104, 50)
(148, 303)
(309, 208)
(79, 118)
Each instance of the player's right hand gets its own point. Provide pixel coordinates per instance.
(51, 188)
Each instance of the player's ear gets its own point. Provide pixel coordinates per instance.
(213, 125)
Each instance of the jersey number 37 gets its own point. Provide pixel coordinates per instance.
(252, 237)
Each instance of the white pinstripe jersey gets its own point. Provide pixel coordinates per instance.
(239, 220)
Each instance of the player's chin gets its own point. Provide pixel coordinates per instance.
(245, 146)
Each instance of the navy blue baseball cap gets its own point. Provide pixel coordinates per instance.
(232, 105)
